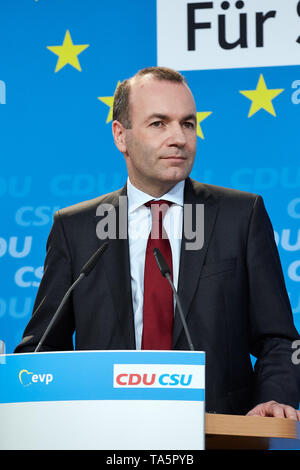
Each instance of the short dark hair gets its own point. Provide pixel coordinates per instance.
(121, 97)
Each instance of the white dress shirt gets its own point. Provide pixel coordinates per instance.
(139, 226)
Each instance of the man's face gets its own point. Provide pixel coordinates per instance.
(160, 147)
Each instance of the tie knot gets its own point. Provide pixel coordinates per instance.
(159, 203)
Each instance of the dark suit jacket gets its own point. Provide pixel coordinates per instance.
(232, 292)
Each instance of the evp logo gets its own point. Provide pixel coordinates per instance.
(27, 378)
(158, 376)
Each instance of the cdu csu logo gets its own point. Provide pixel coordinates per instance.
(158, 376)
(154, 379)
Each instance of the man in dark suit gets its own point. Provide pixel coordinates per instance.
(231, 287)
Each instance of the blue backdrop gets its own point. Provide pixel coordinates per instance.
(60, 63)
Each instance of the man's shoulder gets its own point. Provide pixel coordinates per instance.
(89, 207)
(221, 193)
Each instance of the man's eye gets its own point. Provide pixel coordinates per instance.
(189, 125)
(157, 124)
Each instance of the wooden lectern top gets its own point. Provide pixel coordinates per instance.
(249, 432)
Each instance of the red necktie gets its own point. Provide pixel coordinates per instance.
(158, 311)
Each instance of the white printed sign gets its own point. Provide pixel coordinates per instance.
(193, 35)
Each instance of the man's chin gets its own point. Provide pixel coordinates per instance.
(175, 175)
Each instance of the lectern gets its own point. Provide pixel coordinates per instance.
(103, 400)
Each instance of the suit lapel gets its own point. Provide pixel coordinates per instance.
(191, 261)
(117, 268)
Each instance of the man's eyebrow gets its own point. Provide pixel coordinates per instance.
(165, 117)
(190, 117)
(158, 116)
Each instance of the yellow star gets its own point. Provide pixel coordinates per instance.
(200, 117)
(109, 101)
(261, 97)
(67, 53)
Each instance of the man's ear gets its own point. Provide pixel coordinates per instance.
(119, 134)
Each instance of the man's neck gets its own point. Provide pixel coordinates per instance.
(157, 191)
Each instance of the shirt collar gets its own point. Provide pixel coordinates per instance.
(137, 198)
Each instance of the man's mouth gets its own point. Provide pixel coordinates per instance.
(173, 157)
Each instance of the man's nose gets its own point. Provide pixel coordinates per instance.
(177, 136)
